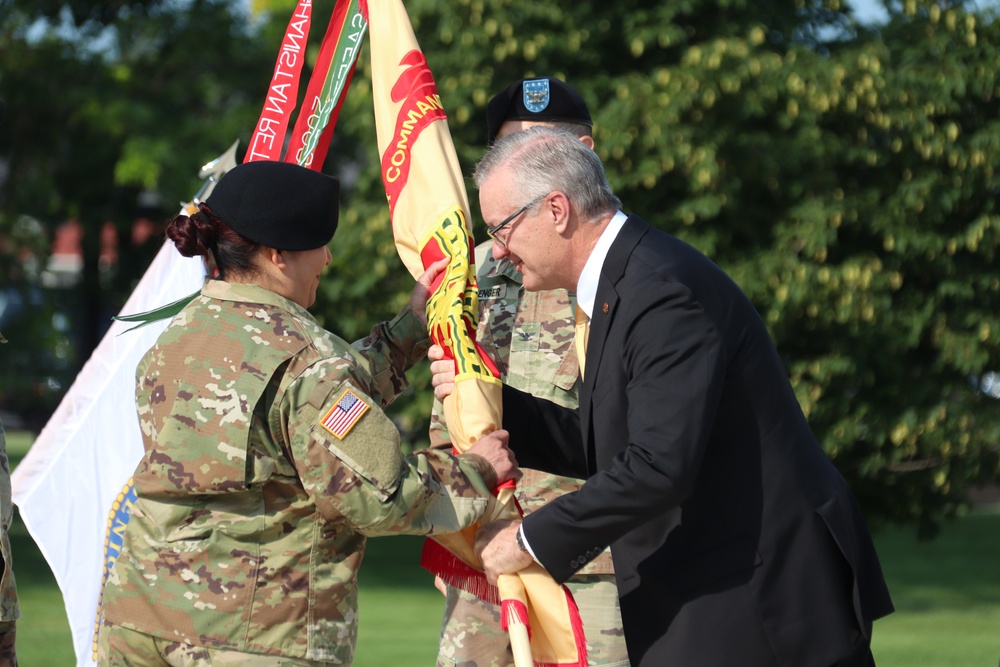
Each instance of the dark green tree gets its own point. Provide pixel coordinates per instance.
(109, 107)
(839, 173)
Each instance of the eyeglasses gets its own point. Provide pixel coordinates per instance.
(492, 231)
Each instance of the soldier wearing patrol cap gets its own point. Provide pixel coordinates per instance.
(268, 460)
(530, 336)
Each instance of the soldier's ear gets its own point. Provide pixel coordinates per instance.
(588, 141)
(276, 257)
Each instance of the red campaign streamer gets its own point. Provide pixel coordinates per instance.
(283, 91)
(341, 45)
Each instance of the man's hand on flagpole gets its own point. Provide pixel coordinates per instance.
(422, 290)
(493, 448)
(442, 372)
(498, 551)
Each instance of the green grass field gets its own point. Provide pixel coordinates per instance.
(947, 596)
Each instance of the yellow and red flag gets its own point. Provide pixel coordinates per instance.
(429, 209)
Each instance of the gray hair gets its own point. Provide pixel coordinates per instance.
(543, 160)
(577, 129)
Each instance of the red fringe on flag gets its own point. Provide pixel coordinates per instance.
(516, 610)
(578, 636)
(455, 572)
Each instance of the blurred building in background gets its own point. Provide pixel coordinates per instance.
(43, 310)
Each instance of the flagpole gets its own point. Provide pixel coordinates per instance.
(520, 643)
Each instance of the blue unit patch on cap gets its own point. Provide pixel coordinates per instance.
(536, 95)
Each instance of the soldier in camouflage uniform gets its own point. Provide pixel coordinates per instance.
(9, 611)
(531, 337)
(268, 458)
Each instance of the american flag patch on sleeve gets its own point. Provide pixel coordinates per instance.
(347, 412)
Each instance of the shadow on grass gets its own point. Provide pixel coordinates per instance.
(957, 570)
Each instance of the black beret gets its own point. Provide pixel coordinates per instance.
(278, 204)
(544, 99)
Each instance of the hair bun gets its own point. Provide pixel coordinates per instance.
(193, 234)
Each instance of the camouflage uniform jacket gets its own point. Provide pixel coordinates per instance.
(9, 610)
(530, 336)
(268, 460)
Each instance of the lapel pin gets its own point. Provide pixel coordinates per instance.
(605, 308)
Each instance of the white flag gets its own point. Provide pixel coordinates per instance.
(68, 483)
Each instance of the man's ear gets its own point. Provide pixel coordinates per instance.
(588, 141)
(559, 209)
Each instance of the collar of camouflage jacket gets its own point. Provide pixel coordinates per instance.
(224, 291)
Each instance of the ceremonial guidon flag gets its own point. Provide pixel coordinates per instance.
(430, 220)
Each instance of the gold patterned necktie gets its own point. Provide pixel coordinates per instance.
(582, 334)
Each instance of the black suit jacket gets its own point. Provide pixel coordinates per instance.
(735, 540)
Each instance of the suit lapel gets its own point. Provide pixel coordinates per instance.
(605, 306)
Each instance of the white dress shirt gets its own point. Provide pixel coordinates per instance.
(586, 286)
(586, 293)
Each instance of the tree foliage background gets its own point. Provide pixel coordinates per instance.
(844, 175)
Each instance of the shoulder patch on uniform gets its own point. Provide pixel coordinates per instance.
(345, 413)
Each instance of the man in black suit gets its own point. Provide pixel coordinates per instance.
(736, 542)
